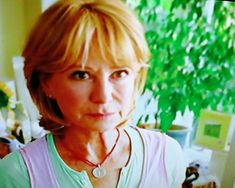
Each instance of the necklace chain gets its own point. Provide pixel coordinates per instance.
(99, 171)
(109, 153)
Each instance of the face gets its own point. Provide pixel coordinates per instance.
(97, 97)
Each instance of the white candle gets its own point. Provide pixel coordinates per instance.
(25, 98)
(22, 90)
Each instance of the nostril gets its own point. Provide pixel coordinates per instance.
(101, 97)
(102, 92)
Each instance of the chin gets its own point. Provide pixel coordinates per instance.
(104, 126)
(97, 124)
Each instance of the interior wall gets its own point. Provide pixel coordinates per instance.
(12, 33)
(16, 19)
(32, 10)
(2, 52)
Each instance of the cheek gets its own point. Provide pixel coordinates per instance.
(69, 97)
(71, 103)
(127, 96)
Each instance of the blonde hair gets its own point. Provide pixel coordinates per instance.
(64, 35)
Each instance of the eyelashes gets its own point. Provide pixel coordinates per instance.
(81, 75)
(85, 75)
(120, 74)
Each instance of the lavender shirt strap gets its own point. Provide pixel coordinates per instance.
(154, 170)
(36, 157)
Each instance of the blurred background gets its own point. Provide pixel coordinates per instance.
(190, 89)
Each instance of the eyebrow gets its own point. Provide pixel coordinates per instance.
(85, 67)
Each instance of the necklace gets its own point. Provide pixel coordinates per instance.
(99, 171)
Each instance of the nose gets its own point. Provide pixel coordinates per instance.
(102, 91)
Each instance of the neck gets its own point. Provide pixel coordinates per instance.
(90, 145)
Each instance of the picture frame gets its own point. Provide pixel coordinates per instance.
(214, 130)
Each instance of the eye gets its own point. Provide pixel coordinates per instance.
(81, 75)
(120, 74)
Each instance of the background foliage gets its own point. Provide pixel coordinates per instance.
(5, 94)
(193, 58)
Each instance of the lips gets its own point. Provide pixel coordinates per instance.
(100, 115)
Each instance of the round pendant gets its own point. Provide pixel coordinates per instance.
(99, 172)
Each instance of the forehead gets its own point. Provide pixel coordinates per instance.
(95, 57)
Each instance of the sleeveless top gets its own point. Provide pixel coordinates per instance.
(162, 165)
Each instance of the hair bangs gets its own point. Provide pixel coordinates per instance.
(113, 43)
(117, 43)
(80, 41)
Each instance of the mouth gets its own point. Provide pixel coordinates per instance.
(101, 115)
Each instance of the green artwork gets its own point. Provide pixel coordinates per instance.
(212, 130)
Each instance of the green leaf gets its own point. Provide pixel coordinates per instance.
(166, 120)
(4, 99)
(192, 61)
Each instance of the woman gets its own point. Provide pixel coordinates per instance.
(85, 65)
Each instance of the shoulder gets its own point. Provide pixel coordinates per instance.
(13, 171)
(158, 138)
(175, 162)
(33, 149)
(154, 143)
(151, 136)
(161, 146)
(14, 160)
